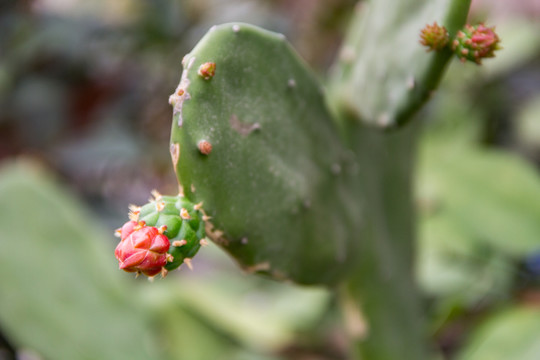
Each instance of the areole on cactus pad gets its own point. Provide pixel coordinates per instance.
(161, 235)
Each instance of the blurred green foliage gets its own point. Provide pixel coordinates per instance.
(63, 297)
(478, 194)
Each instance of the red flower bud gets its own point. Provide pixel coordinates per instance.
(475, 43)
(143, 249)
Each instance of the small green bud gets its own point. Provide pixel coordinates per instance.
(434, 37)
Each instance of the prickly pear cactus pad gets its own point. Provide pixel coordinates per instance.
(161, 235)
(384, 74)
(252, 138)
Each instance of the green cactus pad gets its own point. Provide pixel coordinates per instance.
(384, 73)
(275, 180)
(186, 227)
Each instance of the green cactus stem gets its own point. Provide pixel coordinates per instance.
(383, 75)
(302, 186)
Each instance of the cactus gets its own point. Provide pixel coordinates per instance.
(285, 153)
(299, 183)
(382, 76)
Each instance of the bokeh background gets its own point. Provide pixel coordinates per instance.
(84, 128)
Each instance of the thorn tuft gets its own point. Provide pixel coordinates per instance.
(207, 70)
(162, 229)
(134, 212)
(160, 205)
(204, 147)
(179, 243)
(157, 196)
(187, 261)
(198, 206)
(184, 214)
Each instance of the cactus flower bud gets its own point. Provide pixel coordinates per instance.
(142, 249)
(475, 43)
(434, 37)
(161, 235)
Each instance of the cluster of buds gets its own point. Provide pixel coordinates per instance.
(473, 43)
(143, 249)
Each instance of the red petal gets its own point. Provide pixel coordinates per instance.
(152, 272)
(153, 261)
(142, 239)
(127, 229)
(133, 261)
(160, 244)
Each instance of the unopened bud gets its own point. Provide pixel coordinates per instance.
(475, 43)
(434, 37)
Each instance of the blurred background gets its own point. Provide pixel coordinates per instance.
(84, 130)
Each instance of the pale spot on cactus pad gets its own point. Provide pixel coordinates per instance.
(384, 120)
(411, 83)
(175, 154)
(242, 128)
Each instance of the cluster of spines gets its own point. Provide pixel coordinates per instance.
(472, 43)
